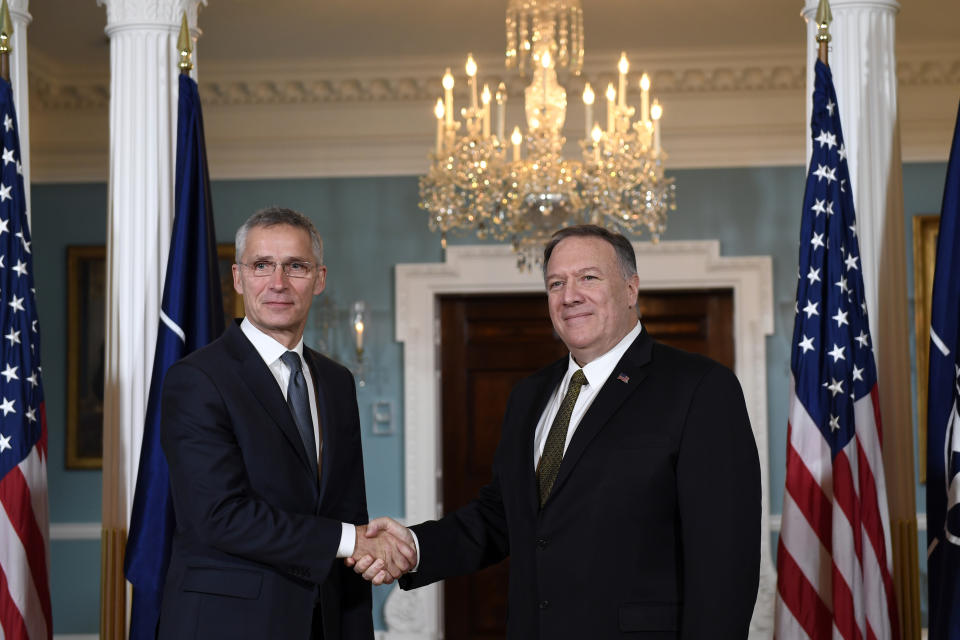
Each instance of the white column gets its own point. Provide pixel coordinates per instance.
(21, 94)
(143, 111)
(863, 63)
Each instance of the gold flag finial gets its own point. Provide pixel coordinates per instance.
(183, 45)
(824, 18)
(6, 31)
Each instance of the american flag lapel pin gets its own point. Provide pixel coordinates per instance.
(624, 378)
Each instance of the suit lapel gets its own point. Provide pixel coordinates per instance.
(323, 393)
(263, 386)
(542, 392)
(623, 381)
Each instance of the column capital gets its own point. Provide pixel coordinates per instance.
(148, 14)
(19, 12)
(810, 6)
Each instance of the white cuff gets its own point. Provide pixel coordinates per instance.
(348, 540)
(416, 544)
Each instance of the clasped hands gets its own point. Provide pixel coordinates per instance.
(384, 551)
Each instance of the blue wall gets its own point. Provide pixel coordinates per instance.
(369, 225)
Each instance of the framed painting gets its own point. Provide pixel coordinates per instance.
(925, 228)
(86, 340)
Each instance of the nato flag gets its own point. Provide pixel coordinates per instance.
(191, 315)
(943, 425)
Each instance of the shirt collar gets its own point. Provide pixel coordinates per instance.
(268, 348)
(599, 369)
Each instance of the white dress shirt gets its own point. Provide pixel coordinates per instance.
(596, 371)
(271, 350)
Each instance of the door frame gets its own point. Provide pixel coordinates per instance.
(482, 269)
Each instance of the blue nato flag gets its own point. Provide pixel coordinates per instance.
(191, 315)
(943, 424)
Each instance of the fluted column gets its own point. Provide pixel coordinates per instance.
(143, 109)
(21, 94)
(863, 63)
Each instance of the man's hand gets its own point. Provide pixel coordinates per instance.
(384, 551)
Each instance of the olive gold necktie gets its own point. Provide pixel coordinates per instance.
(553, 449)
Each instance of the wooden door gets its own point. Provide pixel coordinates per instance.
(488, 344)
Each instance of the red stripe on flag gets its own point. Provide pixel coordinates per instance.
(806, 492)
(873, 524)
(844, 618)
(15, 497)
(801, 597)
(14, 627)
(845, 496)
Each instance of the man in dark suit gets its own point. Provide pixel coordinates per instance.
(626, 485)
(262, 438)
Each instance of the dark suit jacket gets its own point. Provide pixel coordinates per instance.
(652, 529)
(256, 537)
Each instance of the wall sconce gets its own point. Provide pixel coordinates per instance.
(358, 321)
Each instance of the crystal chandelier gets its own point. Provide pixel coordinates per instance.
(522, 189)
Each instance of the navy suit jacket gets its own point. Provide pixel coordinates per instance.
(652, 529)
(255, 544)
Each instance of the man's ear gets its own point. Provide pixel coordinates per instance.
(237, 281)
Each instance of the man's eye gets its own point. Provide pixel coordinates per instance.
(297, 267)
(261, 266)
(554, 285)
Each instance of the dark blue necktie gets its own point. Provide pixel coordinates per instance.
(300, 405)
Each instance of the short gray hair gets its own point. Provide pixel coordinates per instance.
(626, 257)
(272, 216)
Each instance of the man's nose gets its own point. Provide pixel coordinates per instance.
(572, 293)
(278, 279)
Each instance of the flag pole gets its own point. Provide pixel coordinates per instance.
(6, 32)
(824, 18)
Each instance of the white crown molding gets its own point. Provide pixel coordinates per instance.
(367, 117)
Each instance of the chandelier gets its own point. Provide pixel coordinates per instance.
(522, 188)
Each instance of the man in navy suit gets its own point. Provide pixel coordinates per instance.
(626, 485)
(262, 438)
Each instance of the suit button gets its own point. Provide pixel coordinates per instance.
(541, 543)
(544, 604)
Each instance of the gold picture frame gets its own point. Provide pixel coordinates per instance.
(86, 337)
(925, 227)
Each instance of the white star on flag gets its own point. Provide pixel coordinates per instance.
(7, 156)
(842, 284)
(31, 414)
(818, 207)
(862, 338)
(814, 275)
(836, 353)
(834, 423)
(806, 344)
(7, 406)
(841, 318)
(21, 268)
(857, 373)
(32, 379)
(851, 262)
(16, 304)
(7, 122)
(5, 192)
(811, 309)
(5, 443)
(817, 240)
(835, 386)
(10, 373)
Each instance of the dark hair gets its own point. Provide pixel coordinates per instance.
(272, 216)
(624, 250)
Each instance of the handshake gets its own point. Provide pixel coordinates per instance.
(384, 551)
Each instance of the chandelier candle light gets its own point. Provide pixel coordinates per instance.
(523, 189)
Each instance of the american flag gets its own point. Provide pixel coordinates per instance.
(834, 561)
(24, 519)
